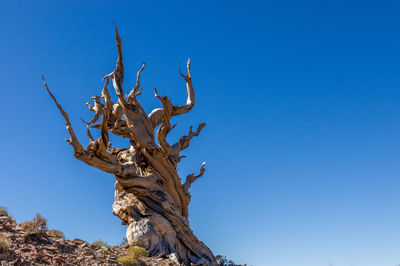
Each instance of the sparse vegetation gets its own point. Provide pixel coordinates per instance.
(106, 251)
(133, 253)
(13, 244)
(55, 233)
(3, 211)
(5, 243)
(127, 261)
(136, 252)
(100, 243)
(37, 226)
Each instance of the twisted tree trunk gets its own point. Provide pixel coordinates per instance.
(149, 195)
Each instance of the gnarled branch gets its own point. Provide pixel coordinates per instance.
(184, 142)
(189, 181)
(118, 74)
(98, 107)
(73, 140)
(165, 127)
(190, 90)
(138, 124)
(79, 152)
(157, 114)
(135, 91)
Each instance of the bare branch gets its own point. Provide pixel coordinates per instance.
(165, 127)
(138, 123)
(135, 91)
(131, 98)
(184, 141)
(99, 147)
(156, 115)
(79, 152)
(190, 90)
(106, 112)
(118, 74)
(73, 140)
(89, 134)
(98, 108)
(189, 181)
(106, 95)
(192, 177)
(90, 107)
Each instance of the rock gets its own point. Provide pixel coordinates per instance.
(87, 252)
(26, 249)
(51, 248)
(84, 245)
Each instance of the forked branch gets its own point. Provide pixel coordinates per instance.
(137, 125)
(79, 152)
(135, 91)
(156, 115)
(165, 127)
(189, 181)
(98, 107)
(184, 141)
(118, 74)
(190, 91)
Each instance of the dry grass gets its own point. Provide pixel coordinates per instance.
(5, 243)
(3, 211)
(100, 243)
(55, 233)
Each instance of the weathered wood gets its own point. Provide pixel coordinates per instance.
(149, 195)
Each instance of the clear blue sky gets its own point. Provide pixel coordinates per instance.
(301, 100)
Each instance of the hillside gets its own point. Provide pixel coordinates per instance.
(30, 243)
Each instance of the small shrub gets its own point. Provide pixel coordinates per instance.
(137, 252)
(127, 261)
(5, 243)
(3, 211)
(40, 222)
(29, 227)
(37, 226)
(107, 252)
(99, 243)
(55, 233)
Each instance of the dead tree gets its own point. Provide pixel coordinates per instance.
(149, 195)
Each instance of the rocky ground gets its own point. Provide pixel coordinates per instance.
(21, 248)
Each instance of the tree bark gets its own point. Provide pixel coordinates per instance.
(149, 195)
